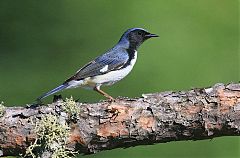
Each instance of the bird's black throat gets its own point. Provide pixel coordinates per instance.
(131, 54)
(133, 45)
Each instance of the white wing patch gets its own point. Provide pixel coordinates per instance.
(104, 69)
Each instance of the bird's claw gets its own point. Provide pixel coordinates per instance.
(111, 100)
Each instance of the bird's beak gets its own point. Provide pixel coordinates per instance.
(151, 35)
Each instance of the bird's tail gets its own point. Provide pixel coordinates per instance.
(55, 90)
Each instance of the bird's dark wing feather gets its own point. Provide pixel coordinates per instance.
(113, 60)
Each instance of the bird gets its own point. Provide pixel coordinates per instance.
(108, 68)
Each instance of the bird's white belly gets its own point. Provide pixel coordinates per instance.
(105, 79)
(114, 76)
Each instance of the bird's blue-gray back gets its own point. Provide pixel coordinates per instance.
(114, 59)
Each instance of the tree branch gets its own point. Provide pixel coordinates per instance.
(197, 114)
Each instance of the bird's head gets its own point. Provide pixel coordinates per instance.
(135, 37)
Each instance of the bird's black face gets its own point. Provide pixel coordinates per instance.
(138, 36)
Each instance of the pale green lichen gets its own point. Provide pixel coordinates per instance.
(31, 148)
(52, 137)
(2, 109)
(71, 108)
(63, 153)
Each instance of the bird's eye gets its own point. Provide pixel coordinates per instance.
(139, 33)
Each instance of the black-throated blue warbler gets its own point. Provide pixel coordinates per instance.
(109, 67)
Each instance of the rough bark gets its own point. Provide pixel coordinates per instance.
(153, 118)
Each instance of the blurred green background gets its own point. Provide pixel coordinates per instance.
(42, 43)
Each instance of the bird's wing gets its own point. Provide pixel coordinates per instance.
(101, 65)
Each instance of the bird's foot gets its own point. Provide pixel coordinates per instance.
(110, 99)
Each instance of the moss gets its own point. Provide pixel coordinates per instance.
(51, 137)
(2, 109)
(52, 133)
(71, 108)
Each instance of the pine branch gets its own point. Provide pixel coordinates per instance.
(197, 114)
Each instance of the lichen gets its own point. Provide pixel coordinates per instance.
(71, 108)
(51, 137)
(2, 109)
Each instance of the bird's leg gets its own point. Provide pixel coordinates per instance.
(111, 110)
(104, 93)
